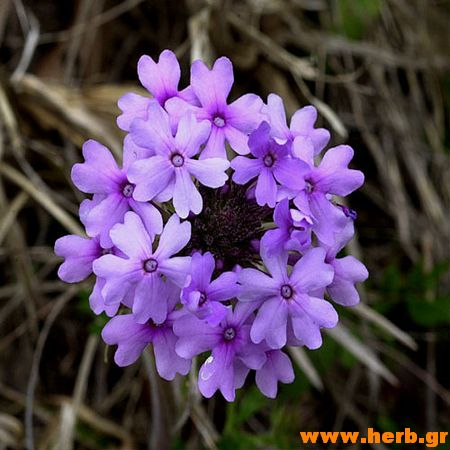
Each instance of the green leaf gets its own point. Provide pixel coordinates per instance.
(429, 314)
(356, 16)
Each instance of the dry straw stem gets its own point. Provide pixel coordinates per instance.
(272, 51)
(58, 108)
(9, 218)
(385, 324)
(361, 351)
(42, 198)
(11, 430)
(97, 422)
(97, 21)
(301, 358)
(56, 309)
(69, 411)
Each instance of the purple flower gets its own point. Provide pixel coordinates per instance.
(161, 80)
(331, 177)
(230, 123)
(132, 338)
(287, 298)
(293, 230)
(347, 270)
(278, 367)
(232, 351)
(113, 191)
(272, 164)
(302, 125)
(202, 296)
(144, 268)
(173, 165)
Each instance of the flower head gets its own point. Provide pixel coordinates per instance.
(246, 271)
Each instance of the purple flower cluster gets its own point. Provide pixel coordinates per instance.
(204, 253)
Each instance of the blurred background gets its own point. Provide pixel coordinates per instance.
(378, 71)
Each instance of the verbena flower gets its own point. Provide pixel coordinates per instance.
(172, 167)
(143, 268)
(230, 123)
(292, 232)
(221, 237)
(272, 164)
(113, 193)
(204, 297)
(331, 177)
(301, 127)
(290, 298)
(233, 354)
(161, 80)
(131, 338)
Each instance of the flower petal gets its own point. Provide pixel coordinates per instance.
(102, 217)
(79, 254)
(333, 176)
(132, 238)
(133, 106)
(212, 86)
(160, 79)
(347, 272)
(195, 336)
(290, 172)
(168, 363)
(176, 269)
(266, 189)
(217, 372)
(245, 169)
(311, 272)
(237, 139)
(186, 197)
(149, 215)
(130, 337)
(244, 114)
(270, 323)
(210, 172)
(256, 285)
(150, 300)
(215, 147)
(174, 238)
(99, 173)
(277, 114)
(154, 132)
(151, 176)
(224, 287)
(202, 268)
(191, 134)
